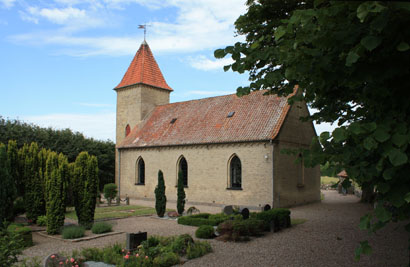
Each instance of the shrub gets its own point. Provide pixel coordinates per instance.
(101, 227)
(166, 259)
(110, 191)
(180, 194)
(86, 188)
(11, 245)
(280, 216)
(180, 244)
(73, 231)
(23, 232)
(42, 220)
(198, 249)
(160, 197)
(205, 219)
(7, 187)
(205, 231)
(56, 175)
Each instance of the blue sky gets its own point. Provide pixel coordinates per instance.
(60, 59)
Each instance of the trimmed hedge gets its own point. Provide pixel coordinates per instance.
(101, 227)
(73, 231)
(280, 217)
(205, 231)
(206, 219)
(110, 191)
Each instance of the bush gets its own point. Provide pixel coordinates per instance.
(166, 259)
(205, 219)
(11, 245)
(180, 244)
(198, 249)
(110, 191)
(101, 227)
(23, 232)
(205, 231)
(280, 216)
(72, 232)
(42, 220)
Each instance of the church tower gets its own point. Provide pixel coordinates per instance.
(142, 88)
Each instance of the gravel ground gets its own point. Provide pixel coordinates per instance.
(328, 238)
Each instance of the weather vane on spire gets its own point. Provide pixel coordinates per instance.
(143, 26)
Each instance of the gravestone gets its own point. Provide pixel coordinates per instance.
(228, 210)
(245, 213)
(135, 239)
(266, 207)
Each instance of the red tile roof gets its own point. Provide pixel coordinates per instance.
(144, 70)
(257, 117)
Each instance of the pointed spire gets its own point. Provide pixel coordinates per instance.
(144, 70)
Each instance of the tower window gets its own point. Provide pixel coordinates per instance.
(127, 130)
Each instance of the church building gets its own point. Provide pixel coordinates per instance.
(227, 147)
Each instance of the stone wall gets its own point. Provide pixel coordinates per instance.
(208, 173)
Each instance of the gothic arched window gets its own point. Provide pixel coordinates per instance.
(140, 171)
(127, 130)
(235, 172)
(183, 167)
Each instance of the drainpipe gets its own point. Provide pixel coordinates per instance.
(273, 175)
(119, 172)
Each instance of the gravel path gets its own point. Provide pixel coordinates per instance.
(328, 238)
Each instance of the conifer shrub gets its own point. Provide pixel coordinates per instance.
(160, 197)
(205, 231)
(101, 227)
(55, 175)
(85, 190)
(110, 191)
(7, 188)
(180, 194)
(42, 220)
(18, 206)
(73, 231)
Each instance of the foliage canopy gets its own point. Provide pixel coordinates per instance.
(351, 61)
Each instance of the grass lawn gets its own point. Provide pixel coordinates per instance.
(328, 180)
(116, 212)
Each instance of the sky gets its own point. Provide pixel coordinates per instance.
(61, 59)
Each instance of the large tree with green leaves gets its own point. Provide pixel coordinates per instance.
(351, 60)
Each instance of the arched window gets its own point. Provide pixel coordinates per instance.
(140, 171)
(127, 130)
(183, 167)
(235, 172)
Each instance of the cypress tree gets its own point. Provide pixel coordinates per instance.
(85, 189)
(34, 185)
(160, 197)
(180, 194)
(55, 175)
(7, 188)
(12, 154)
(22, 171)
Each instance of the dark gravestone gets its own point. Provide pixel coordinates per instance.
(228, 210)
(135, 239)
(245, 213)
(266, 207)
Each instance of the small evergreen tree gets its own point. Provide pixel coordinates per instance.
(160, 197)
(55, 175)
(85, 189)
(12, 154)
(34, 185)
(7, 188)
(22, 171)
(180, 194)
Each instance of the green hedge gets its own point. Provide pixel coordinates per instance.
(205, 231)
(206, 219)
(73, 231)
(24, 232)
(101, 227)
(280, 216)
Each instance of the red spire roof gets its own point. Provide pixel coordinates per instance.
(144, 69)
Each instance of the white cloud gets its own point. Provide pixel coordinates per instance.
(199, 25)
(7, 3)
(203, 63)
(100, 126)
